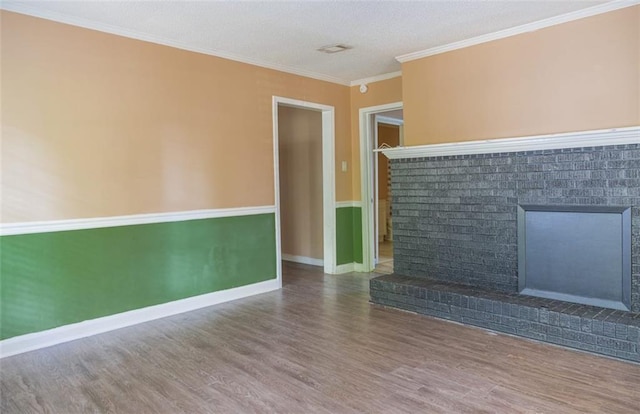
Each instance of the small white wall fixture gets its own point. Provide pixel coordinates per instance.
(368, 126)
(328, 180)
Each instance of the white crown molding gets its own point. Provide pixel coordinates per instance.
(302, 259)
(513, 31)
(594, 138)
(376, 78)
(11, 229)
(24, 8)
(66, 333)
(353, 203)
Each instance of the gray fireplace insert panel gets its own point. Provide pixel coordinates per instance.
(579, 254)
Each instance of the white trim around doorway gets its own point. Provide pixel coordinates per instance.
(367, 121)
(328, 179)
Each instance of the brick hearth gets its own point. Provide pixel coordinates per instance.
(456, 240)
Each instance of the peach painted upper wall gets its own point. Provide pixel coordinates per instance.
(580, 75)
(300, 156)
(379, 93)
(95, 124)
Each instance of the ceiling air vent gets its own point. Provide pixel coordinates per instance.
(334, 48)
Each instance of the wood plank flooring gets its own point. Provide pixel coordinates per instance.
(317, 346)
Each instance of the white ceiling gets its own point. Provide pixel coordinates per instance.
(285, 34)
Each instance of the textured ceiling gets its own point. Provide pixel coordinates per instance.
(285, 35)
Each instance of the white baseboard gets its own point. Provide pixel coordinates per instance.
(344, 268)
(359, 267)
(302, 259)
(350, 267)
(50, 337)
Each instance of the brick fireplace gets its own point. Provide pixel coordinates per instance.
(458, 244)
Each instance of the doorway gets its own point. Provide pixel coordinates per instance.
(327, 162)
(377, 212)
(389, 129)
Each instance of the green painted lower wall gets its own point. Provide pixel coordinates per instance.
(53, 279)
(348, 235)
(357, 234)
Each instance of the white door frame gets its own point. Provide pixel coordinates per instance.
(385, 120)
(367, 163)
(328, 180)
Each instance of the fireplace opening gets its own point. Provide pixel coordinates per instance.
(578, 254)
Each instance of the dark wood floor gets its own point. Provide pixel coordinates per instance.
(315, 346)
